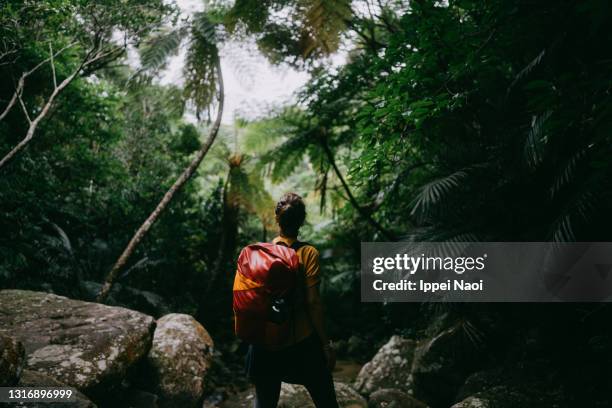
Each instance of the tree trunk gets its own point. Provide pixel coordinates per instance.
(368, 217)
(178, 184)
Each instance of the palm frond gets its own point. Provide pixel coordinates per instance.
(562, 230)
(64, 240)
(325, 20)
(156, 51)
(263, 135)
(527, 69)
(567, 173)
(200, 69)
(536, 140)
(205, 27)
(432, 193)
(287, 156)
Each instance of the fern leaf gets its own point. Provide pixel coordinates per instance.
(567, 173)
(201, 73)
(434, 192)
(562, 229)
(157, 50)
(63, 239)
(324, 23)
(536, 140)
(528, 68)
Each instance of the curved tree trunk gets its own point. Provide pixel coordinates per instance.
(178, 184)
(365, 214)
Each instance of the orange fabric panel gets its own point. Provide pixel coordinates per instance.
(241, 282)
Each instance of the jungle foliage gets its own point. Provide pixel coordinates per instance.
(449, 120)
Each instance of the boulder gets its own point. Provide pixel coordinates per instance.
(36, 379)
(441, 365)
(503, 397)
(390, 367)
(532, 384)
(180, 357)
(296, 396)
(12, 359)
(85, 345)
(393, 398)
(473, 402)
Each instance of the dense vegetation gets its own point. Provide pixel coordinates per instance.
(460, 120)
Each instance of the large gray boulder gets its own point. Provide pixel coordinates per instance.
(180, 357)
(85, 345)
(393, 398)
(36, 379)
(296, 396)
(12, 359)
(441, 365)
(390, 367)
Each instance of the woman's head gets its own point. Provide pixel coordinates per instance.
(290, 214)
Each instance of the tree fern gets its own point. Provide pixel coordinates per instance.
(200, 73)
(156, 51)
(324, 22)
(264, 135)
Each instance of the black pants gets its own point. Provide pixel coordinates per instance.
(302, 363)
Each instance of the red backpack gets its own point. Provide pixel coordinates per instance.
(265, 293)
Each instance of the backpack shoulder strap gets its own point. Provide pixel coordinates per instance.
(298, 244)
(295, 246)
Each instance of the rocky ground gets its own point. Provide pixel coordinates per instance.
(117, 357)
(345, 373)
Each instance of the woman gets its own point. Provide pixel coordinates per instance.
(307, 358)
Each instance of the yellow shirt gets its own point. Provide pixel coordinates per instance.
(309, 262)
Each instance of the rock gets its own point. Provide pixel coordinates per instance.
(127, 296)
(473, 402)
(12, 359)
(502, 397)
(526, 384)
(348, 397)
(180, 357)
(441, 365)
(296, 396)
(390, 367)
(35, 379)
(85, 345)
(393, 398)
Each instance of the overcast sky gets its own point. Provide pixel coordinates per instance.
(251, 83)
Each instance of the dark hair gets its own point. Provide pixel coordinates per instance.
(290, 214)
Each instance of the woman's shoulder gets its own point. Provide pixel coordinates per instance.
(308, 250)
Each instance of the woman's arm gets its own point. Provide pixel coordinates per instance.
(315, 310)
